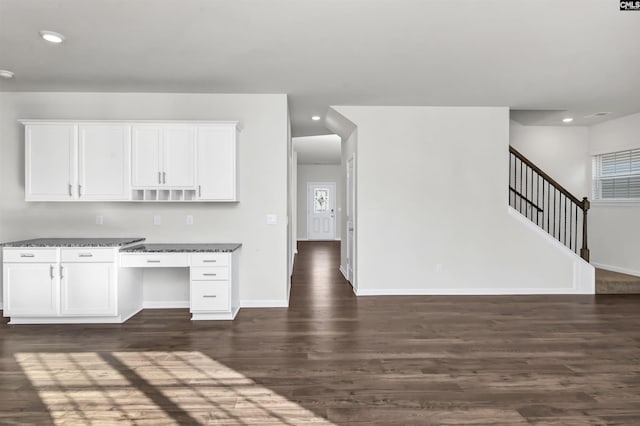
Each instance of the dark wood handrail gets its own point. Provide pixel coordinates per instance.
(551, 180)
(526, 200)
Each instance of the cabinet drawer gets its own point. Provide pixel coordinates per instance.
(210, 296)
(87, 255)
(28, 255)
(209, 274)
(154, 260)
(210, 259)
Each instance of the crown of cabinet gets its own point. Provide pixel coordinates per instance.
(141, 160)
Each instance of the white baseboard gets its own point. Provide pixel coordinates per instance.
(466, 291)
(169, 304)
(616, 269)
(306, 239)
(264, 303)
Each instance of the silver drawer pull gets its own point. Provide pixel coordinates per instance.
(152, 261)
(209, 275)
(85, 255)
(209, 295)
(209, 261)
(27, 255)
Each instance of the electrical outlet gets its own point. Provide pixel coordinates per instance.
(99, 219)
(189, 219)
(157, 219)
(272, 219)
(439, 267)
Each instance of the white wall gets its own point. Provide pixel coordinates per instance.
(262, 163)
(614, 231)
(437, 195)
(318, 173)
(561, 152)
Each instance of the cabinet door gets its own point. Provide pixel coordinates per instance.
(146, 156)
(103, 164)
(31, 289)
(217, 163)
(179, 156)
(50, 162)
(87, 289)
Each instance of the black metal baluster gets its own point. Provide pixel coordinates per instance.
(575, 243)
(565, 221)
(570, 225)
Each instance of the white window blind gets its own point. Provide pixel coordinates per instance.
(616, 176)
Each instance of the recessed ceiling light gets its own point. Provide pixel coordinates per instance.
(51, 36)
(567, 120)
(315, 118)
(6, 74)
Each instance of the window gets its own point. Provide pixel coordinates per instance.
(320, 200)
(616, 176)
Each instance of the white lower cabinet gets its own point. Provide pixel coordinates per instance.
(30, 289)
(41, 287)
(214, 291)
(88, 289)
(212, 296)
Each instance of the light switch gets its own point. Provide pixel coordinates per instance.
(99, 220)
(157, 219)
(272, 219)
(189, 219)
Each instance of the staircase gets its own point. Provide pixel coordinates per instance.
(548, 204)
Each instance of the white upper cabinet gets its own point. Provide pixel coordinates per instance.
(103, 166)
(69, 160)
(163, 156)
(179, 157)
(217, 162)
(146, 156)
(50, 162)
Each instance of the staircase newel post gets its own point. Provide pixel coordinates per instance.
(584, 251)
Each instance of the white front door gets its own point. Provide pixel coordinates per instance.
(321, 206)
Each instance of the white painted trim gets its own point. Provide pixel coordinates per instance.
(264, 303)
(166, 304)
(303, 239)
(466, 291)
(616, 269)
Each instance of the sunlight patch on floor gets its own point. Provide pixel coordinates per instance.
(154, 387)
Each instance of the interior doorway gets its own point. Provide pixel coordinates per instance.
(321, 210)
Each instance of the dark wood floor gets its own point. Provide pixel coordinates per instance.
(332, 358)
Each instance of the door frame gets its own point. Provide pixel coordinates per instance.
(309, 208)
(351, 190)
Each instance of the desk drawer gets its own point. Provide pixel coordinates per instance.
(29, 255)
(154, 260)
(210, 296)
(210, 259)
(209, 274)
(87, 255)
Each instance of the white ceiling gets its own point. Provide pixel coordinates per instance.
(577, 55)
(324, 149)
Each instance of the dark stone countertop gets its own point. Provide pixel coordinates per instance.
(182, 248)
(74, 242)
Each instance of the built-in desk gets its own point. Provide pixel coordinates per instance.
(99, 280)
(213, 274)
